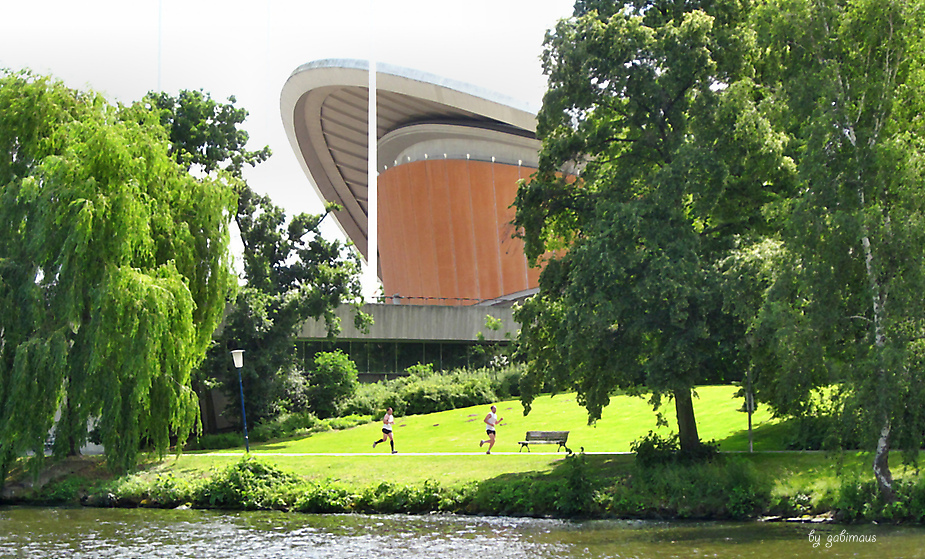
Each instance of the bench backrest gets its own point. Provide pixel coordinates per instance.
(547, 436)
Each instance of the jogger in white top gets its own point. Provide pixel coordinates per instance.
(491, 420)
(387, 421)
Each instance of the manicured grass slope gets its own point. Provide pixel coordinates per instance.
(345, 458)
(459, 431)
(624, 420)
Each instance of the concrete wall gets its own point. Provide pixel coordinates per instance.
(419, 322)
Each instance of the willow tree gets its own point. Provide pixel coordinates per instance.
(657, 161)
(113, 274)
(847, 310)
(292, 273)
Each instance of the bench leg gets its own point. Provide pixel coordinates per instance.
(522, 445)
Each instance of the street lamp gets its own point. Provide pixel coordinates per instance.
(237, 356)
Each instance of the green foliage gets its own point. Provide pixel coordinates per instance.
(395, 498)
(862, 501)
(218, 441)
(845, 306)
(426, 391)
(62, 491)
(250, 484)
(436, 394)
(283, 425)
(373, 398)
(657, 158)
(655, 450)
(577, 495)
(333, 380)
(292, 272)
(280, 427)
(825, 431)
(569, 491)
(384, 497)
(493, 355)
(729, 488)
(205, 133)
(115, 271)
(324, 498)
(161, 491)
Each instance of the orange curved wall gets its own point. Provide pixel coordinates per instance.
(445, 233)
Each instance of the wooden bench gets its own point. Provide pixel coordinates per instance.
(545, 437)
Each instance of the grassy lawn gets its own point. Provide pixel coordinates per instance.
(624, 420)
(348, 456)
(459, 431)
(443, 447)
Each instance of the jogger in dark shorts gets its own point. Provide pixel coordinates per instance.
(387, 422)
(491, 420)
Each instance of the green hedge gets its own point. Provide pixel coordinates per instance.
(426, 391)
(284, 425)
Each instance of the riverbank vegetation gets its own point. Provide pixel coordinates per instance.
(776, 486)
(336, 471)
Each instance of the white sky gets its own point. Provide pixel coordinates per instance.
(125, 48)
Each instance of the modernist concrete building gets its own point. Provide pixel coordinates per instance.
(449, 158)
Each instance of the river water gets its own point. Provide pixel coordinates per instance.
(86, 533)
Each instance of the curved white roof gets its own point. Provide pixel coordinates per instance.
(324, 111)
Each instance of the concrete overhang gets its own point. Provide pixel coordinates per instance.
(324, 107)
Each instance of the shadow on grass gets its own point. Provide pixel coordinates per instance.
(564, 491)
(769, 436)
(601, 468)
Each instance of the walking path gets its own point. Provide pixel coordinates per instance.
(387, 454)
(614, 453)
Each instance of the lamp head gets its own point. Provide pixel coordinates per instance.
(238, 356)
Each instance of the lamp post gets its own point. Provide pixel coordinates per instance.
(237, 356)
(749, 407)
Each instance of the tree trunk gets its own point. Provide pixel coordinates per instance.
(687, 425)
(207, 411)
(878, 304)
(881, 463)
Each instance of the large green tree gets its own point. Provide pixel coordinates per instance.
(657, 161)
(291, 272)
(848, 77)
(114, 270)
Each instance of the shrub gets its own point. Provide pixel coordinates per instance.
(823, 432)
(576, 497)
(394, 498)
(346, 422)
(283, 425)
(324, 498)
(333, 381)
(218, 441)
(654, 449)
(424, 390)
(372, 399)
(509, 383)
(730, 488)
(166, 491)
(61, 491)
(861, 501)
(249, 484)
